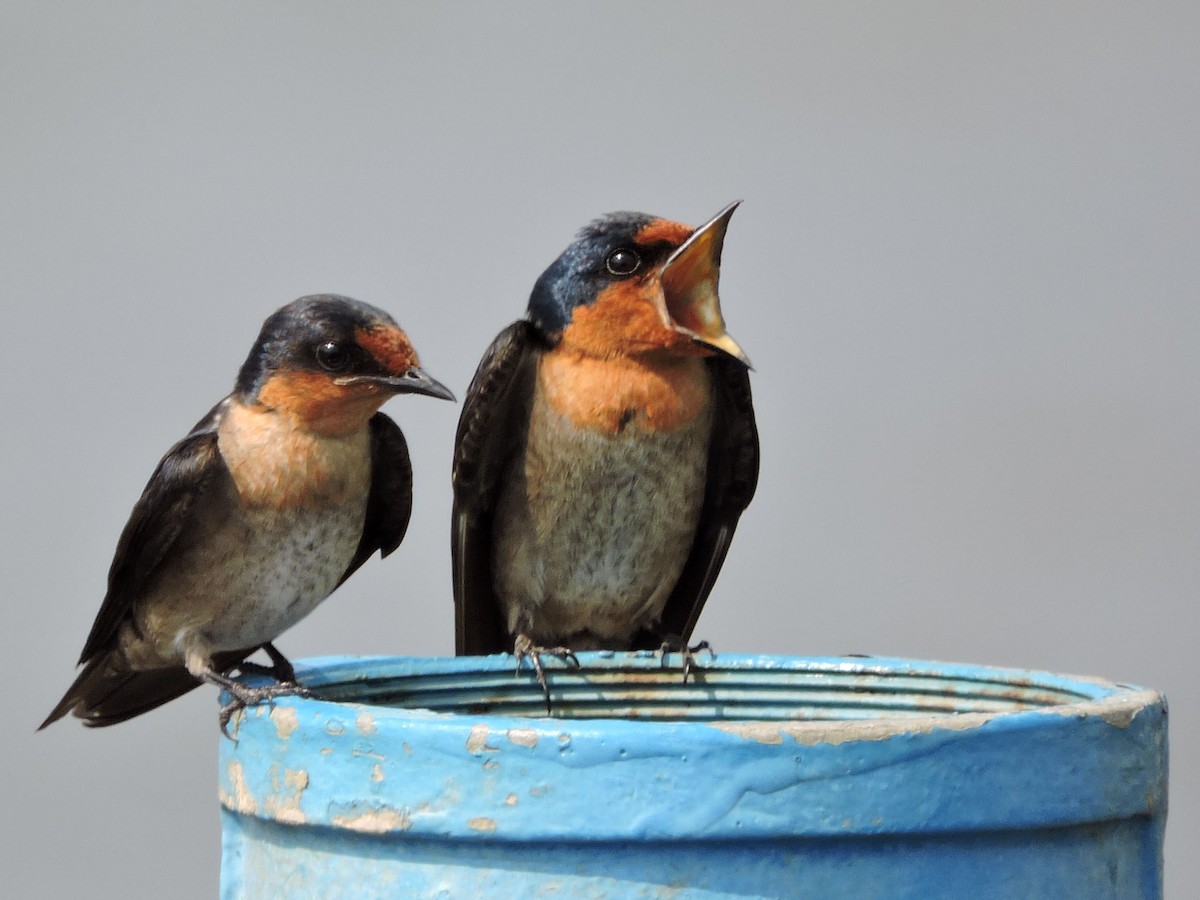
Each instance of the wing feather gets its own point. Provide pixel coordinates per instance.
(732, 477)
(490, 430)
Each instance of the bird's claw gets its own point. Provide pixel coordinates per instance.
(251, 696)
(524, 648)
(687, 653)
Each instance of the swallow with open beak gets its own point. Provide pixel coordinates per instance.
(606, 449)
(275, 498)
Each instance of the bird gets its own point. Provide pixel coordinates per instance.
(272, 500)
(605, 451)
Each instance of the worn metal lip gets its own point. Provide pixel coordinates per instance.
(864, 697)
(476, 775)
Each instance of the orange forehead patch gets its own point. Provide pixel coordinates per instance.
(663, 231)
(389, 346)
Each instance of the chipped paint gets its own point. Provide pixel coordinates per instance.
(283, 803)
(286, 721)
(477, 741)
(523, 737)
(241, 800)
(835, 733)
(1120, 711)
(828, 748)
(380, 820)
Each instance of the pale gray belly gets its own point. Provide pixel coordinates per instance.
(256, 574)
(596, 529)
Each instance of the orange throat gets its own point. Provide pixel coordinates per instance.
(320, 405)
(276, 464)
(649, 392)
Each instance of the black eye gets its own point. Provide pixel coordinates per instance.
(332, 357)
(623, 261)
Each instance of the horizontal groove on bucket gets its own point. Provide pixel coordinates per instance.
(735, 693)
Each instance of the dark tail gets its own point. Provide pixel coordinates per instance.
(107, 691)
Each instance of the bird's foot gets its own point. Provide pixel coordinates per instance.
(688, 654)
(280, 669)
(244, 696)
(247, 696)
(524, 648)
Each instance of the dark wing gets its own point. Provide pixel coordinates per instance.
(161, 514)
(107, 691)
(389, 503)
(732, 477)
(491, 428)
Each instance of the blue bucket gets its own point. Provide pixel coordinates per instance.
(761, 777)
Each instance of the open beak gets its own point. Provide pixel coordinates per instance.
(414, 381)
(689, 281)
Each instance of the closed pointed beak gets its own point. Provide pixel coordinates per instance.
(414, 381)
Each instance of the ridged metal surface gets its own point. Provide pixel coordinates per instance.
(762, 776)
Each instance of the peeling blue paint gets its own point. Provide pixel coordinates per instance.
(767, 776)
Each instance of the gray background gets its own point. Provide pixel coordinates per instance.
(965, 268)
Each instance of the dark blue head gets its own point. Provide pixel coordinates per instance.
(587, 267)
(655, 280)
(336, 338)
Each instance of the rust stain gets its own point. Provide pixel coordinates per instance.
(477, 740)
(286, 721)
(482, 823)
(365, 725)
(241, 800)
(376, 821)
(524, 737)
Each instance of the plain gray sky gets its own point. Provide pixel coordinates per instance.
(966, 269)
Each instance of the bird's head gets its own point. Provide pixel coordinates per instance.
(331, 362)
(632, 283)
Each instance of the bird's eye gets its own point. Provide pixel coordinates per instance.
(623, 261)
(332, 357)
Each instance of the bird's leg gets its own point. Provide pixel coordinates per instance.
(524, 648)
(280, 669)
(678, 645)
(244, 696)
